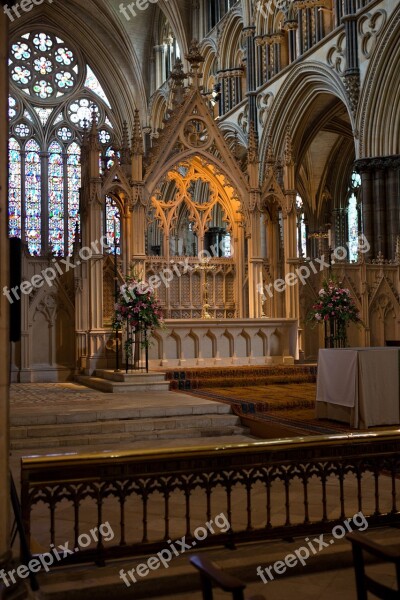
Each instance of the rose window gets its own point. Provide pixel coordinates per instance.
(42, 65)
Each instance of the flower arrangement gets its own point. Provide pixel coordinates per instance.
(334, 302)
(137, 309)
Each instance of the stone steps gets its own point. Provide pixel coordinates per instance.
(120, 382)
(105, 439)
(196, 378)
(100, 426)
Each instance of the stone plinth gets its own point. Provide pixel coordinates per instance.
(106, 380)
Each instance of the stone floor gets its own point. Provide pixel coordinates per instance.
(329, 574)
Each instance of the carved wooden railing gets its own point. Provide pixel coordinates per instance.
(276, 488)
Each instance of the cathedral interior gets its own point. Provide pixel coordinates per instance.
(267, 131)
(235, 154)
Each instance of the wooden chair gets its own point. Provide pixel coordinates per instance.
(211, 574)
(364, 583)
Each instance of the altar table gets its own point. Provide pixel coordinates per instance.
(359, 386)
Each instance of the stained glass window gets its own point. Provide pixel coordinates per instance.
(41, 65)
(110, 154)
(81, 112)
(12, 107)
(44, 114)
(14, 199)
(53, 96)
(22, 130)
(301, 229)
(113, 224)
(352, 216)
(74, 183)
(33, 201)
(56, 198)
(93, 84)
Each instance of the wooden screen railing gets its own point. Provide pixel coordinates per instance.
(276, 488)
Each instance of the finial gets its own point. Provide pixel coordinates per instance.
(125, 153)
(137, 137)
(178, 76)
(195, 58)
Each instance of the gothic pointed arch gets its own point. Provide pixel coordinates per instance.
(379, 120)
(189, 131)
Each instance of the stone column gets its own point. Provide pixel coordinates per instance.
(160, 65)
(392, 210)
(248, 32)
(255, 266)
(260, 60)
(92, 213)
(277, 39)
(291, 261)
(380, 213)
(4, 309)
(352, 72)
(380, 203)
(268, 43)
(367, 210)
(292, 27)
(239, 254)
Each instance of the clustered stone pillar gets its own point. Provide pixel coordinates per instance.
(5, 553)
(231, 88)
(380, 190)
(248, 33)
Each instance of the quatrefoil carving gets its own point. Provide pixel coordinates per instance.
(370, 26)
(336, 56)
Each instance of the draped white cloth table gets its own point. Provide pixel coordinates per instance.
(359, 386)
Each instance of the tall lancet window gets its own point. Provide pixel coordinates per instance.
(353, 217)
(14, 197)
(74, 183)
(33, 187)
(56, 198)
(53, 95)
(301, 229)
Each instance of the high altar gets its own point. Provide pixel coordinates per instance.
(192, 218)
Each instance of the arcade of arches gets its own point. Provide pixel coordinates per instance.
(271, 139)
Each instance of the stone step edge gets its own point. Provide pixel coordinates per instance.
(100, 427)
(123, 414)
(119, 376)
(55, 442)
(110, 386)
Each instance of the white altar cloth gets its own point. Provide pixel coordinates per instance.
(359, 386)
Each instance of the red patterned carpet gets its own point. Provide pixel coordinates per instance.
(277, 410)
